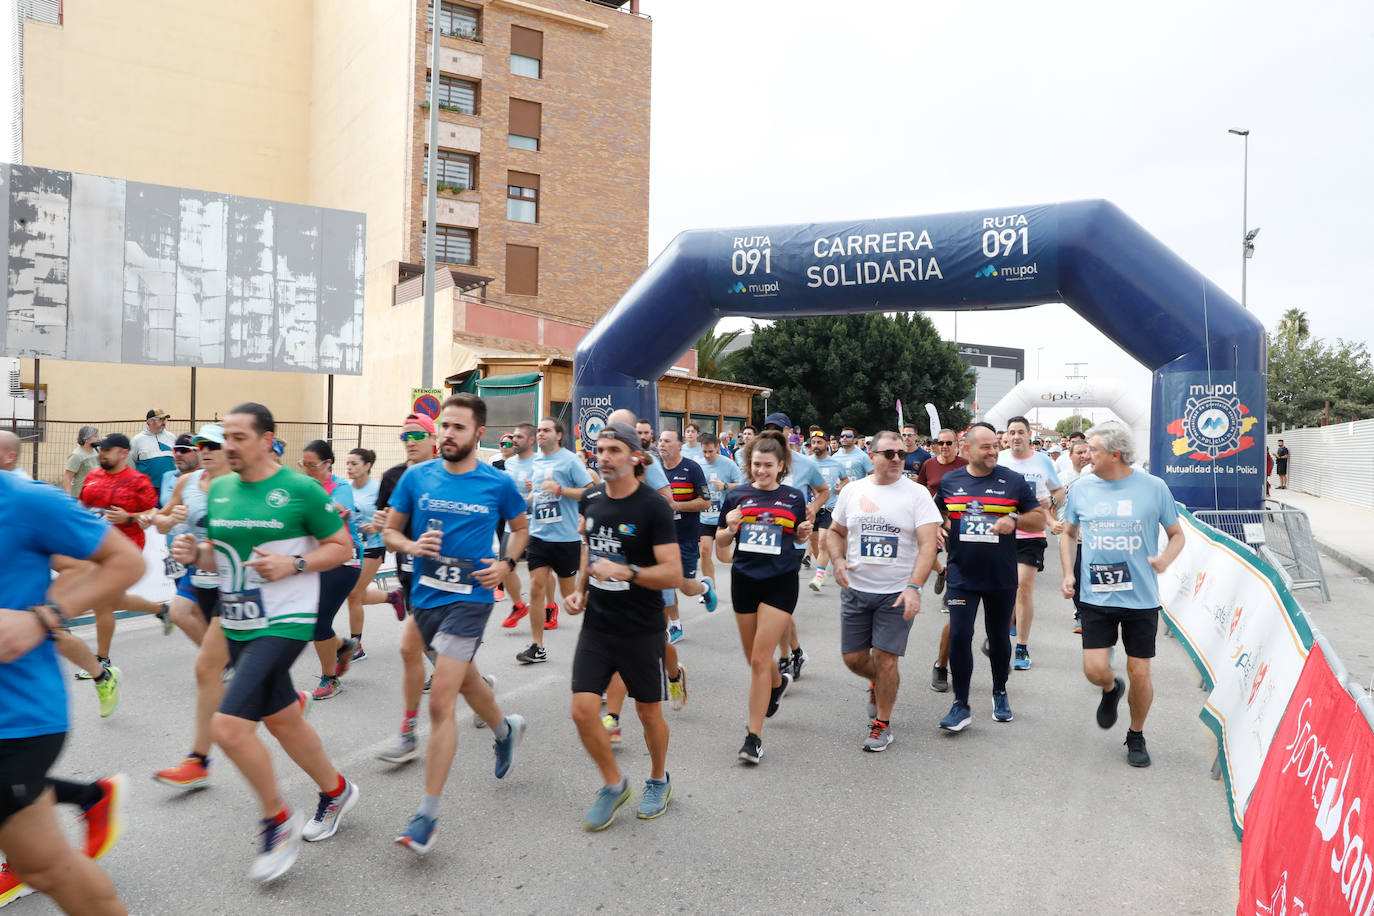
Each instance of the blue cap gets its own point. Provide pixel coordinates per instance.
(279, 447)
(779, 420)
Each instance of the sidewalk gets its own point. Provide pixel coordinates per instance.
(1342, 531)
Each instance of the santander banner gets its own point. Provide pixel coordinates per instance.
(1304, 849)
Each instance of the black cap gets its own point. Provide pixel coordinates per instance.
(154, 412)
(185, 440)
(114, 440)
(622, 432)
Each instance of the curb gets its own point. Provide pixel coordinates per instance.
(1359, 567)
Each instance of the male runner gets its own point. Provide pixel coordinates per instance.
(916, 456)
(632, 556)
(455, 503)
(186, 459)
(852, 460)
(722, 476)
(421, 444)
(883, 538)
(983, 504)
(1119, 511)
(746, 436)
(1037, 468)
(151, 449)
(645, 430)
(946, 459)
(271, 531)
(835, 476)
(520, 469)
(557, 481)
(691, 496)
(1080, 466)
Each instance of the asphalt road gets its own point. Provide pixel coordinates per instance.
(1038, 815)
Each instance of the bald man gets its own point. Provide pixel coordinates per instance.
(9, 454)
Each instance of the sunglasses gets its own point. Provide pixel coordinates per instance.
(183, 449)
(507, 444)
(944, 441)
(414, 435)
(212, 446)
(846, 435)
(891, 454)
(310, 467)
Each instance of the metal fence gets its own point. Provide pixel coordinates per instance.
(1279, 533)
(1335, 462)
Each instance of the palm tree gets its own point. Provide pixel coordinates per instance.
(1294, 325)
(710, 349)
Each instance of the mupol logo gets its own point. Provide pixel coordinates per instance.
(737, 288)
(988, 271)
(1214, 425)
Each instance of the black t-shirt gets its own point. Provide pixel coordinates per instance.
(390, 478)
(687, 483)
(1282, 454)
(764, 543)
(625, 531)
(978, 559)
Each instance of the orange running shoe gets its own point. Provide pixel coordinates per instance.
(517, 613)
(105, 819)
(190, 774)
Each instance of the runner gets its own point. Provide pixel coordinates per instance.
(946, 459)
(83, 459)
(746, 436)
(1080, 466)
(364, 490)
(755, 519)
(833, 474)
(632, 555)
(420, 443)
(916, 456)
(186, 459)
(880, 570)
(1037, 468)
(557, 481)
(271, 531)
(691, 444)
(456, 503)
(33, 702)
(1120, 511)
(690, 497)
(520, 468)
(984, 504)
(722, 475)
(151, 450)
(335, 653)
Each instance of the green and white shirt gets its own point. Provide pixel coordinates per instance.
(288, 513)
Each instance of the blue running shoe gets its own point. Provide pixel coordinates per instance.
(505, 747)
(1022, 660)
(608, 801)
(958, 718)
(712, 601)
(1001, 707)
(654, 801)
(419, 836)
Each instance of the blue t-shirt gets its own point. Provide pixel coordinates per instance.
(726, 471)
(467, 506)
(33, 695)
(831, 470)
(654, 477)
(169, 482)
(365, 509)
(693, 453)
(1120, 522)
(804, 473)
(767, 532)
(520, 470)
(978, 559)
(687, 483)
(855, 463)
(911, 465)
(554, 518)
(342, 495)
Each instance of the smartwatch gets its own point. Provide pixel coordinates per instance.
(634, 573)
(508, 560)
(1013, 516)
(300, 564)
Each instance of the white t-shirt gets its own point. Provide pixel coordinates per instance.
(882, 523)
(1038, 469)
(1063, 464)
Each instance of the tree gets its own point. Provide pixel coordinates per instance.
(710, 348)
(1071, 424)
(852, 369)
(1310, 379)
(1294, 325)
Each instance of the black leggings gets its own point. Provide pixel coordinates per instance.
(998, 607)
(335, 584)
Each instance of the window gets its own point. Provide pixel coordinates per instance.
(668, 419)
(525, 118)
(707, 423)
(522, 270)
(454, 94)
(457, 170)
(457, 21)
(452, 244)
(522, 197)
(526, 52)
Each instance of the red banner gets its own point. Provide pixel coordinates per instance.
(1304, 849)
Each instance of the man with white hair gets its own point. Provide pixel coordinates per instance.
(1119, 511)
(9, 454)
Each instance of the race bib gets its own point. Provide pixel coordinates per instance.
(242, 610)
(878, 548)
(550, 511)
(977, 529)
(404, 563)
(1110, 577)
(205, 578)
(757, 537)
(609, 585)
(448, 574)
(172, 568)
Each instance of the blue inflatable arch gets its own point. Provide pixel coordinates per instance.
(1206, 352)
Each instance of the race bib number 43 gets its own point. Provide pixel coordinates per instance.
(448, 574)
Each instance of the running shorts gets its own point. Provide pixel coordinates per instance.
(261, 685)
(636, 657)
(1138, 628)
(563, 557)
(747, 593)
(24, 765)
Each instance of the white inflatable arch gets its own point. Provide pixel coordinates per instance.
(1133, 407)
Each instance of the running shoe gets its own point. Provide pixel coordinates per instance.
(778, 693)
(1001, 707)
(108, 692)
(1136, 755)
(86, 675)
(752, 751)
(712, 599)
(478, 721)
(498, 593)
(939, 582)
(806, 561)
(329, 687)
(11, 888)
(674, 633)
(799, 658)
(105, 819)
(1106, 707)
(360, 655)
(551, 616)
(816, 582)
(958, 718)
(165, 615)
(784, 664)
(1022, 660)
(1077, 623)
(517, 613)
(329, 811)
(939, 679)
(677, 690)
(397, 602)
(305, 701)
(190, 774)
(987, 649)
(654, 801)
(504, 748)
(343, 658)
(608, 801)
(280, 844)
(429, 682)
(879, 737)
(872, 708)
(612, 726)
(227, 674)
(401, 748)
(419, 836)
(533, 655)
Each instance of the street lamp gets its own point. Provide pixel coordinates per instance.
(1247, 242)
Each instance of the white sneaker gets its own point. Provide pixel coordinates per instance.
(816, 583)
(279, 847)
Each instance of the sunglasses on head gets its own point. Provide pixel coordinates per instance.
(891, 454)
(414, 435)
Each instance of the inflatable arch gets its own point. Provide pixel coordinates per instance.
(1207, 354)
(1073, 393)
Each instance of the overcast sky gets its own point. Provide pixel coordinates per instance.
(776, 111)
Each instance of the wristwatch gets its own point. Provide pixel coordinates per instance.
(300, 564)
(1013, 516)
(634, 573)
(508, 560)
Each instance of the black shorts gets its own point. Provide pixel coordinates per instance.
(636, 657)
(747, 593)
(261, 685)
(1078, 578)
(1138, 628)
(822, 521)
(708, 531)
(335, 584)
(24, 766)
(563, 557)
(1281, 466)
(1031, 552)
(373, 553)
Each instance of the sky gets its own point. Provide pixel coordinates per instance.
(767, 111)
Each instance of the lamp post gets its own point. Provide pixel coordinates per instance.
(1247, 238)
